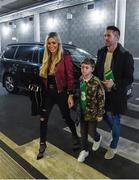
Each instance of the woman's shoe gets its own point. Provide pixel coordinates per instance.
(41, 151)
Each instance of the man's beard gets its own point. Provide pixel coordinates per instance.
(107, 44)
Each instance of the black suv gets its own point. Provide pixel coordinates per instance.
(20, 63)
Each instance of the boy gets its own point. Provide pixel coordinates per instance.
(92, 107)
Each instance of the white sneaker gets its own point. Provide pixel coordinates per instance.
(96, 144)
(110, 153)
(83, 154)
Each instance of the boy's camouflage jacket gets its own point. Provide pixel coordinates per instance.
(95, 100)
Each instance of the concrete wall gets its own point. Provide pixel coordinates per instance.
(132, 27)
(132, 32)
(16, 30)
(28, 34)
(82, 30)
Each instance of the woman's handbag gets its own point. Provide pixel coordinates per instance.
(33, 87)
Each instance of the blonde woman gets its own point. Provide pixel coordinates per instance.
(57, 77)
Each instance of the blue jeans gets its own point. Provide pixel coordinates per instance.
(114, 124)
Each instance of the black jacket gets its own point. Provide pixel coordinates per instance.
(123, 68)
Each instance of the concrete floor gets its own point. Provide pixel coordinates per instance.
(55, 165)
(19, 134)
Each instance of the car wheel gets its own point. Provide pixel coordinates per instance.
(9, 84)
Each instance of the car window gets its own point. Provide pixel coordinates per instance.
(25, 53)
(35, 58)
(41, 51)
(9, 52)
(78, 54)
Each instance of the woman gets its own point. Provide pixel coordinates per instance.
(56, 73)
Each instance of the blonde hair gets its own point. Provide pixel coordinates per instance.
(47, 53)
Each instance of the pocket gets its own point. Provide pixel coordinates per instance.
(129, 91)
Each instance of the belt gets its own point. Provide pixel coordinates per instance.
(52, 86)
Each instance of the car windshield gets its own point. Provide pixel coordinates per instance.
(78, 54)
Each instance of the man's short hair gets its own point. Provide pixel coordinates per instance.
(88, 61)
(114, 28)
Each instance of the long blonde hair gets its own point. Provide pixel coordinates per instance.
(47, 53)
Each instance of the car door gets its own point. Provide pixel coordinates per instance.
(24, 56)
(78, 55)
(37, 61)
(7, 61)
(36, 64)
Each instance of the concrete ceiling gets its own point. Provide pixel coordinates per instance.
(10, 6)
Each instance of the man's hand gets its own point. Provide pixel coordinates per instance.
(70, 101)
(108, 84)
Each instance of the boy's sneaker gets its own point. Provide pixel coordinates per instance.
(96, 144)
(110, 153)
(83, 154)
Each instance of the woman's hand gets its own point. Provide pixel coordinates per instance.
(70, 101)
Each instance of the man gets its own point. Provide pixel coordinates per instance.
(115, 67)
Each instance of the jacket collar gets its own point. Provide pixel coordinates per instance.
(118, 48)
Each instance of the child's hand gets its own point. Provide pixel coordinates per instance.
(99, 119)
(70, 101)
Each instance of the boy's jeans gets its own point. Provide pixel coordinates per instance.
(88, 127)
(114, 123)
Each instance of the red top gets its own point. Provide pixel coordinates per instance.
(64, 74)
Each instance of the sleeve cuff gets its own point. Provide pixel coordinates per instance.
(70, 92)
(114, 86)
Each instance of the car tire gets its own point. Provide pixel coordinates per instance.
(9, 84)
